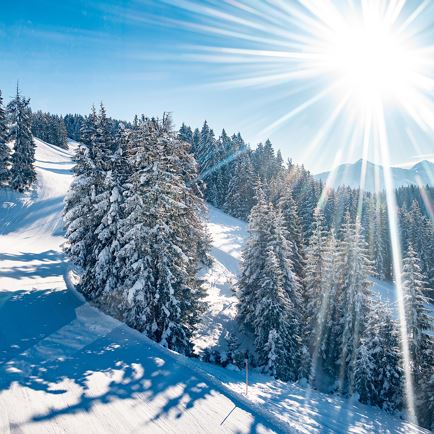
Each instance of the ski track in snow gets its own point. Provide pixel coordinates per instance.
(67, 367)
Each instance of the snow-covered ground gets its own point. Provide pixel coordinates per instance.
(228, 235)
(66, 367)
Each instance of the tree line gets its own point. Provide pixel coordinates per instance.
(306, 302)
(135, 227)
(50, 128)
(230, 169)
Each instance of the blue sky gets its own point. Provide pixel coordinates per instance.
(147, 56)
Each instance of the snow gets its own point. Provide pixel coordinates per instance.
(228, 235)
(67, 367)
(388, 294)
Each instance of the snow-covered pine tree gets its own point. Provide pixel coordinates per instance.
(88, 129)
(419, 232)
(283, 248)
(23, 173)
(259, 229)
(100, 277)
(270, 304)
(314, 277)
(377, 237)
(354, 292)
(227, 154)
(79, 213)
(420, 336)
(185, 134)
(5, 153)
(377, 368)
(274, 330)
(419, 321)
(161, 290)
(205, 149)
(195, 142)
(326, 338)
(293, 226)
(241, 192)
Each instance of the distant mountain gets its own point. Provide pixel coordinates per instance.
(349, 174)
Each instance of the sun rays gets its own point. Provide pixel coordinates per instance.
(369, 61)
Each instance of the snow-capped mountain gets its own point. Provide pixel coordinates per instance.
(349, 174)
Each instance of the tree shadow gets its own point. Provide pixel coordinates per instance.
(57, 163)
(47, 337)
(23, 214)
(48, 264)
(57, 171)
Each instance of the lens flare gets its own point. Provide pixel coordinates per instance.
(372, 61)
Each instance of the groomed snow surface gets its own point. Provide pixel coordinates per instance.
(66, 367)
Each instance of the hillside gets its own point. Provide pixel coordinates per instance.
(421, 173)
(66, 367)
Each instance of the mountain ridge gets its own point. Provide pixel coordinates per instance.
(349, 174)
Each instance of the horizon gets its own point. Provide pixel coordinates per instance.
(199, 63)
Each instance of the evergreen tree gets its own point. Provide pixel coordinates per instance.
(253, 260)
(73, 125)
(419, 321)
(354, 293)
(315, 277)
(162, 292)
(4, 148)
(50, 128)
(420, 336)
(241, 193)
(377, 371)
(108, 163)
(293, 226)
(272, 322)
(185, 134)
(269, 293)
(23, 173)
(79, 214)
(325, 336)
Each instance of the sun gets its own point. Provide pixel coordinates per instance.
(371, 61)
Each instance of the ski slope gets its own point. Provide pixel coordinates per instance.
(67, 367)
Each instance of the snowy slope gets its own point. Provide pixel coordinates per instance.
(66, 367)
(228, 235)
(421, 173)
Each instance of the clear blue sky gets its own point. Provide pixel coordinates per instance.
(145, 56)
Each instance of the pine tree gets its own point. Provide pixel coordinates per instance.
(324, 342)
(420, 329)
(419, 321)
(23, 173)
(4, 148)
(272, 322)
(99, 276)
(50, 128)
(377, 370)
(269, 293)
(253, 260)
(79, 214)
(162, 292)
(185, 134)
(293, 226)
(315, 277)
(241, 192)
(354, 293)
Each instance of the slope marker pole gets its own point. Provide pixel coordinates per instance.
(246, 359)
